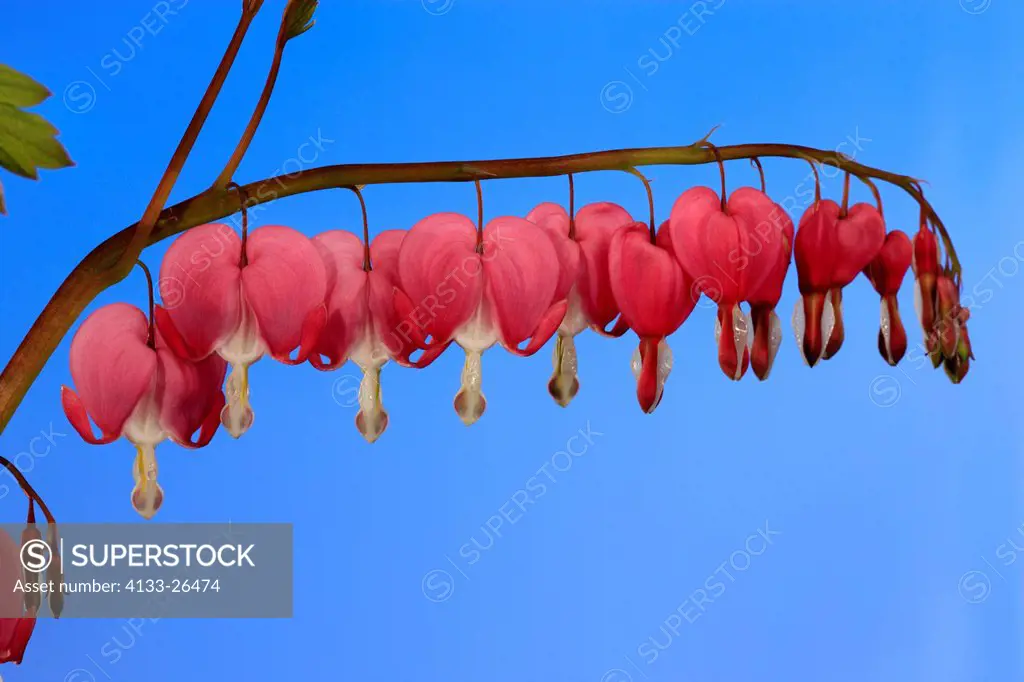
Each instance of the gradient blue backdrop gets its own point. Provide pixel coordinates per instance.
(886, 487)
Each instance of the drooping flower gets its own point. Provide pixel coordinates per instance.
(132, 384)
(833, 245)
(582, 246)
(243, 304)
(16, 623)
(478, 286)
(730, 246)
(886, 273)
(764, 299)
(362, 324)
(654, 293)
(926, 274)
(950, 331)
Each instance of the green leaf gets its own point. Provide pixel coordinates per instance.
(298, 17)
(18, 89)
(29, 142)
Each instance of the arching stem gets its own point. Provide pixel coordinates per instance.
(874, 191)
(760, 171)
(27, 488)
(845, 205)
(293, 23)
(150, 217)
(243, 201)
(572, 210)
(817, 180)
(721, 170)
(479, 218)
(650, 201)
(151, 337)
(367, 266)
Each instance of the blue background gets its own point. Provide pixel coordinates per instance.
(886, 487)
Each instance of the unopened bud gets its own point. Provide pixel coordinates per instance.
(54, 574)
(32, 598)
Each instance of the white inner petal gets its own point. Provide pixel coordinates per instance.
(371, 419)
(480, 332)
(799, 326)
(147, 495)
(245, 346)
(828, 322)
(237, 415)
(741, 331)
(143, 426)
(885, 325)
(775, 337)
(469, 401)
(564, 382)
(575, 320)
(369, 352)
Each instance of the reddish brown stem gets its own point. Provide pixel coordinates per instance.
(367, 266)
(760, 171)
(845, 206)
(151, 337)
(479, 217)
(572, 210)
(721, 170)
(27, 488)
(650, 201)
(874, 191)
(817, 181)
(145, 226)
(243, 201)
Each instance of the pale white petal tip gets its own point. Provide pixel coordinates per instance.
(775, 338)
(237, 416)
(470, 406)
(147, 496)
(741, 336)
(372, 424)
(372, 418)
(798, 329)
(828, 323)
(564, 384)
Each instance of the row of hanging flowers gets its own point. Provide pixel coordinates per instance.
(513, 282)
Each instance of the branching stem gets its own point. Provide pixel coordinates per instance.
(144, 227)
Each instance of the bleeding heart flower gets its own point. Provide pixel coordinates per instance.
(730, 248)
(764, 299)
(582, 249)
(886, 274)
(956, 367)
(16, 625)
(832, 246)
(654, 294)
(478, 286)
(361, 320)
(132, 384)
(242, 306)
(950, 331)
(926, 273)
